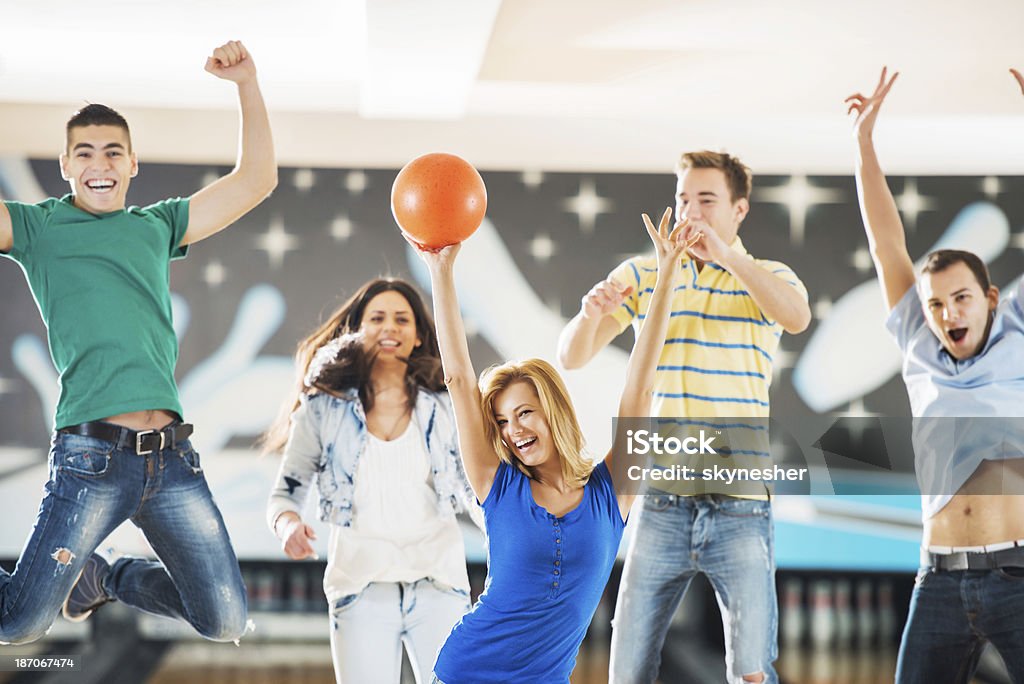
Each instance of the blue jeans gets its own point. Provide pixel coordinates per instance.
(731, 541)
(369, 628)
(94, 487)
(952, 615)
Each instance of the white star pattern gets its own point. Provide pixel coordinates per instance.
(541, 248)
(799, 196)
(587, 205)
(214, 274)
(356, 182)
(912, 203)
(822, 308)
(991, 186)
(856, 427)
(861, 260)
(304, 180)
(341, 228)
(276, 242)
(532, 178)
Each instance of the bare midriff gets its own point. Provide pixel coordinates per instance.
(988, 509)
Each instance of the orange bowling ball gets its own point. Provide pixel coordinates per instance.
(438, 199)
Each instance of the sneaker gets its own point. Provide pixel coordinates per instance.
(87, 594)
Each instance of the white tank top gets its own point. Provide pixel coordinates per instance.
(397, 532)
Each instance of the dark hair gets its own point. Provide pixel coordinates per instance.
(97, 115)
(939, 260)
(737, 175)
(351, 368)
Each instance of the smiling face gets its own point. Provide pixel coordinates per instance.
(958, 311)
(99, 166)
(388, 327)
(702, 194)
(523, 426)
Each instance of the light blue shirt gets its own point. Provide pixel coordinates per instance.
(960, 407)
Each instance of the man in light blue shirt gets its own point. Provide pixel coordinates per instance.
(963, 366)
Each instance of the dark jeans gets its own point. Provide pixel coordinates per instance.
(952, 615)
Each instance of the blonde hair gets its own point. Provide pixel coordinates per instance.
(558, 411)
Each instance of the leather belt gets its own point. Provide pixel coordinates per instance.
(142, 442)
(975, 560)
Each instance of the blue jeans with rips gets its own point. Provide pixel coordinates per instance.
(93, 487)
(731, 541)
(952, 615)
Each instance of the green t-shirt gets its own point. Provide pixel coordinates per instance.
(102, 285)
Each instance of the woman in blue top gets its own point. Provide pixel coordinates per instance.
(553, 518)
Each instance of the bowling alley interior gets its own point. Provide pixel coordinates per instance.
(574, 116)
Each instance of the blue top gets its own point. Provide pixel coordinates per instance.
(545, 576)
(944, 392)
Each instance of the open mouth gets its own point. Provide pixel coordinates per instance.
(957, 334)
(525, 443)
(102, 185)
(389, 344)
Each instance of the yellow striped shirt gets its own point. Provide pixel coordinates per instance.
(718, 353)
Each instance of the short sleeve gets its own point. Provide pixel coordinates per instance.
(906, 318)
(628, 273)
(781, 270)
(173, 213)
(27, 221)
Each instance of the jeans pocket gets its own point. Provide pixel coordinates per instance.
(744, 508)
(345, 603)
(191, 458)
(82, 456)
(1013, 574)
(657, 502)
(922, 576)
(445, 589)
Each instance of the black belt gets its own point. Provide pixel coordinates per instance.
(1012, 557)
(142, 442)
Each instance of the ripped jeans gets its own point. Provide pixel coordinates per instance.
(93, 488)
(728, 539)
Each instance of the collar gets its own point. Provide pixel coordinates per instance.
(69, 201)
(736, 244)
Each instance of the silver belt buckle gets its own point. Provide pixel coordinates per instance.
(144, 433)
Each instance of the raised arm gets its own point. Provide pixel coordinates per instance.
(593, 327)
(886, 239)
(6, 230)
(635, 401)
(477, 452)
(227, 199)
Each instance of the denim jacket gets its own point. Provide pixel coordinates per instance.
(328, 435)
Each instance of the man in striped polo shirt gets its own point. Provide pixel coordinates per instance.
(727, 318)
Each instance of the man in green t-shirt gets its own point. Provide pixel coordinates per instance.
(99, 272)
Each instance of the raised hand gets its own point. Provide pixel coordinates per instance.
(867, 107)
(232, 62)
(435, 257)
(1020, 79)
(668, 244)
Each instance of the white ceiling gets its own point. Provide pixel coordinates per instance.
(545, 84)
